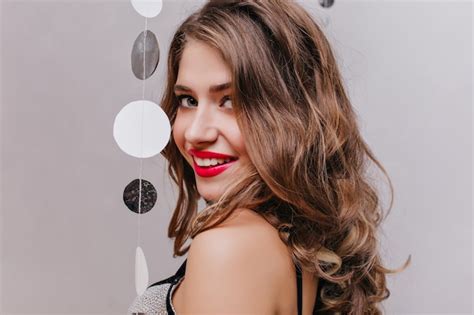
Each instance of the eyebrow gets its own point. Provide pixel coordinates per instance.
(212, 89)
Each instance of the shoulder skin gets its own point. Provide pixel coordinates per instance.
(237, 267)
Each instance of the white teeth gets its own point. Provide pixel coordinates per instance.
(210, 162)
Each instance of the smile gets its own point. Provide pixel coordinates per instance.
(211, 167)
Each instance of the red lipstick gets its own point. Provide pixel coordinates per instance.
(213, 170)
(209, 154)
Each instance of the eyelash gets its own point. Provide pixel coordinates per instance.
(183, 96)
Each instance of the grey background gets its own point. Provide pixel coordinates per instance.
(67, 240)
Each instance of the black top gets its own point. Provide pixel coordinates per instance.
(176, 278)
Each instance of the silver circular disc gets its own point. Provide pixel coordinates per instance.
(326, 3)
(145, 46)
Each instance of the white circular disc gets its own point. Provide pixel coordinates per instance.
(137, 139)
(147, 8)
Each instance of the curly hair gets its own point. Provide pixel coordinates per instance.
(309, 174)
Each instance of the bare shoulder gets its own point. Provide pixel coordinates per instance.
(252, 237)
(238, 266)
(246, 230)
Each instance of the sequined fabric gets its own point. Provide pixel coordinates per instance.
(157, 297)
(152, 301)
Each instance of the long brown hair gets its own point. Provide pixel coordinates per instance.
(309, 177)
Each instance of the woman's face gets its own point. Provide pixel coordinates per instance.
(205, 124)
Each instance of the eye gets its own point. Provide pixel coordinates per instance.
(181, 97)
(228, 98)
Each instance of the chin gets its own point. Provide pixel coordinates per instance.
(208, 193)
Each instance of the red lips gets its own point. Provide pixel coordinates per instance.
(210, 155)
(214, 170)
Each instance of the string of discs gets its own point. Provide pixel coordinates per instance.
(142, 130)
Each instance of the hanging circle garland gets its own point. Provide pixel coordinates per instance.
(142, 129)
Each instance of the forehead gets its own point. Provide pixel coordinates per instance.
(201, 66)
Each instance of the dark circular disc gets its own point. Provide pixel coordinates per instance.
(149, 45)
(326, 3)
(131, 195)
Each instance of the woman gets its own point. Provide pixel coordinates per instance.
(263, 130)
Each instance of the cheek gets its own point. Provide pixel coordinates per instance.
(237, 138)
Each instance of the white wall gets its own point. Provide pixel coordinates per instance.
(67, 240)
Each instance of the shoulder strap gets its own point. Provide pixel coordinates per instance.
(182, 269)
(177, 275)
(299, 286)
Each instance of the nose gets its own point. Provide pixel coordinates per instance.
(202, 128)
